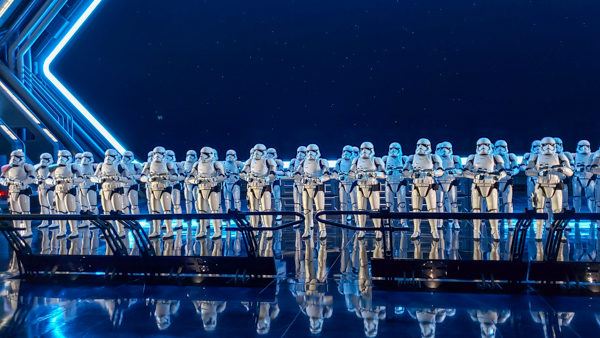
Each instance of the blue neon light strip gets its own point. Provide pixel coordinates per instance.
(56, 82)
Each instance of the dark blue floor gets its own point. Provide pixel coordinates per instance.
(323, 288)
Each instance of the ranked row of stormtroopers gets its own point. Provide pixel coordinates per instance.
(197, 180)
(434, 178)
(67, 186)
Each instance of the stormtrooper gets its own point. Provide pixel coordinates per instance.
(112, 177)
(189, 195)
(395, 185)
(511, 168)
(207, 175)
(159, 174)
(531, 181)
(163, 312)
(259, 172)
(216, 159)
(448, 182)
(548, 166)
(423, 167)
(488, 320)
(342, 173)
(65, 176)
(297, 186)
(132, 187)
(231, 185)
(312, 300)
(594, 168)
(366, 170)
(209, 312)
(428, 319)
(566, 180)
(147, 186)
(177, 186)
(45, 191)
(276, 185)
(77, 158)
(486, 170)
(355, 152)
(77, 161)
(88, 190)
(17, 176)
(314, 172)
(583, 183)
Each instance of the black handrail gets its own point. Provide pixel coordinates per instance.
(384, 214)
(231, 215)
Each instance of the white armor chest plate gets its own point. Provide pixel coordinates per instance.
(259, 168)
(447, 162)
(394, 166)
(484, 162)
(206, 169)
(87, 170)
(581, 160)
(42, 172)
(506, 159)
(422, 162)
(297, 164)
(187, 167)
(109, 170)
(365, 165)
(345, 166)
(17, 173)
(548, 161)
(63, 171)
(158, 168)
(394, 163)
(231, 168)
(131, 170)
(312, 168)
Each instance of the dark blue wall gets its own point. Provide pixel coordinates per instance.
(230, 73)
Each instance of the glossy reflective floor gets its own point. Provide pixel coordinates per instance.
(324, 288)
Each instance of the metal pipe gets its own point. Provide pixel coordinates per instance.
(19, 21)
(36, 33)
(25, 32)
(8, 77)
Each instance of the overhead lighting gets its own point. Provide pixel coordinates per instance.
(5, 6)
(18, 102)
(47, 132)
(9, 132)
(64, 91)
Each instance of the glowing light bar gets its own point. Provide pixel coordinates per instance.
(19, 104)
(9, 132)
(5, 6)
(47, 132)
(64, 91)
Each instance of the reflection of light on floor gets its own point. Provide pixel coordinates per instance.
(57, 321)
(583, 228)
(184, 226)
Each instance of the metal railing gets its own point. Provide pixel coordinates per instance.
(558, 223)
